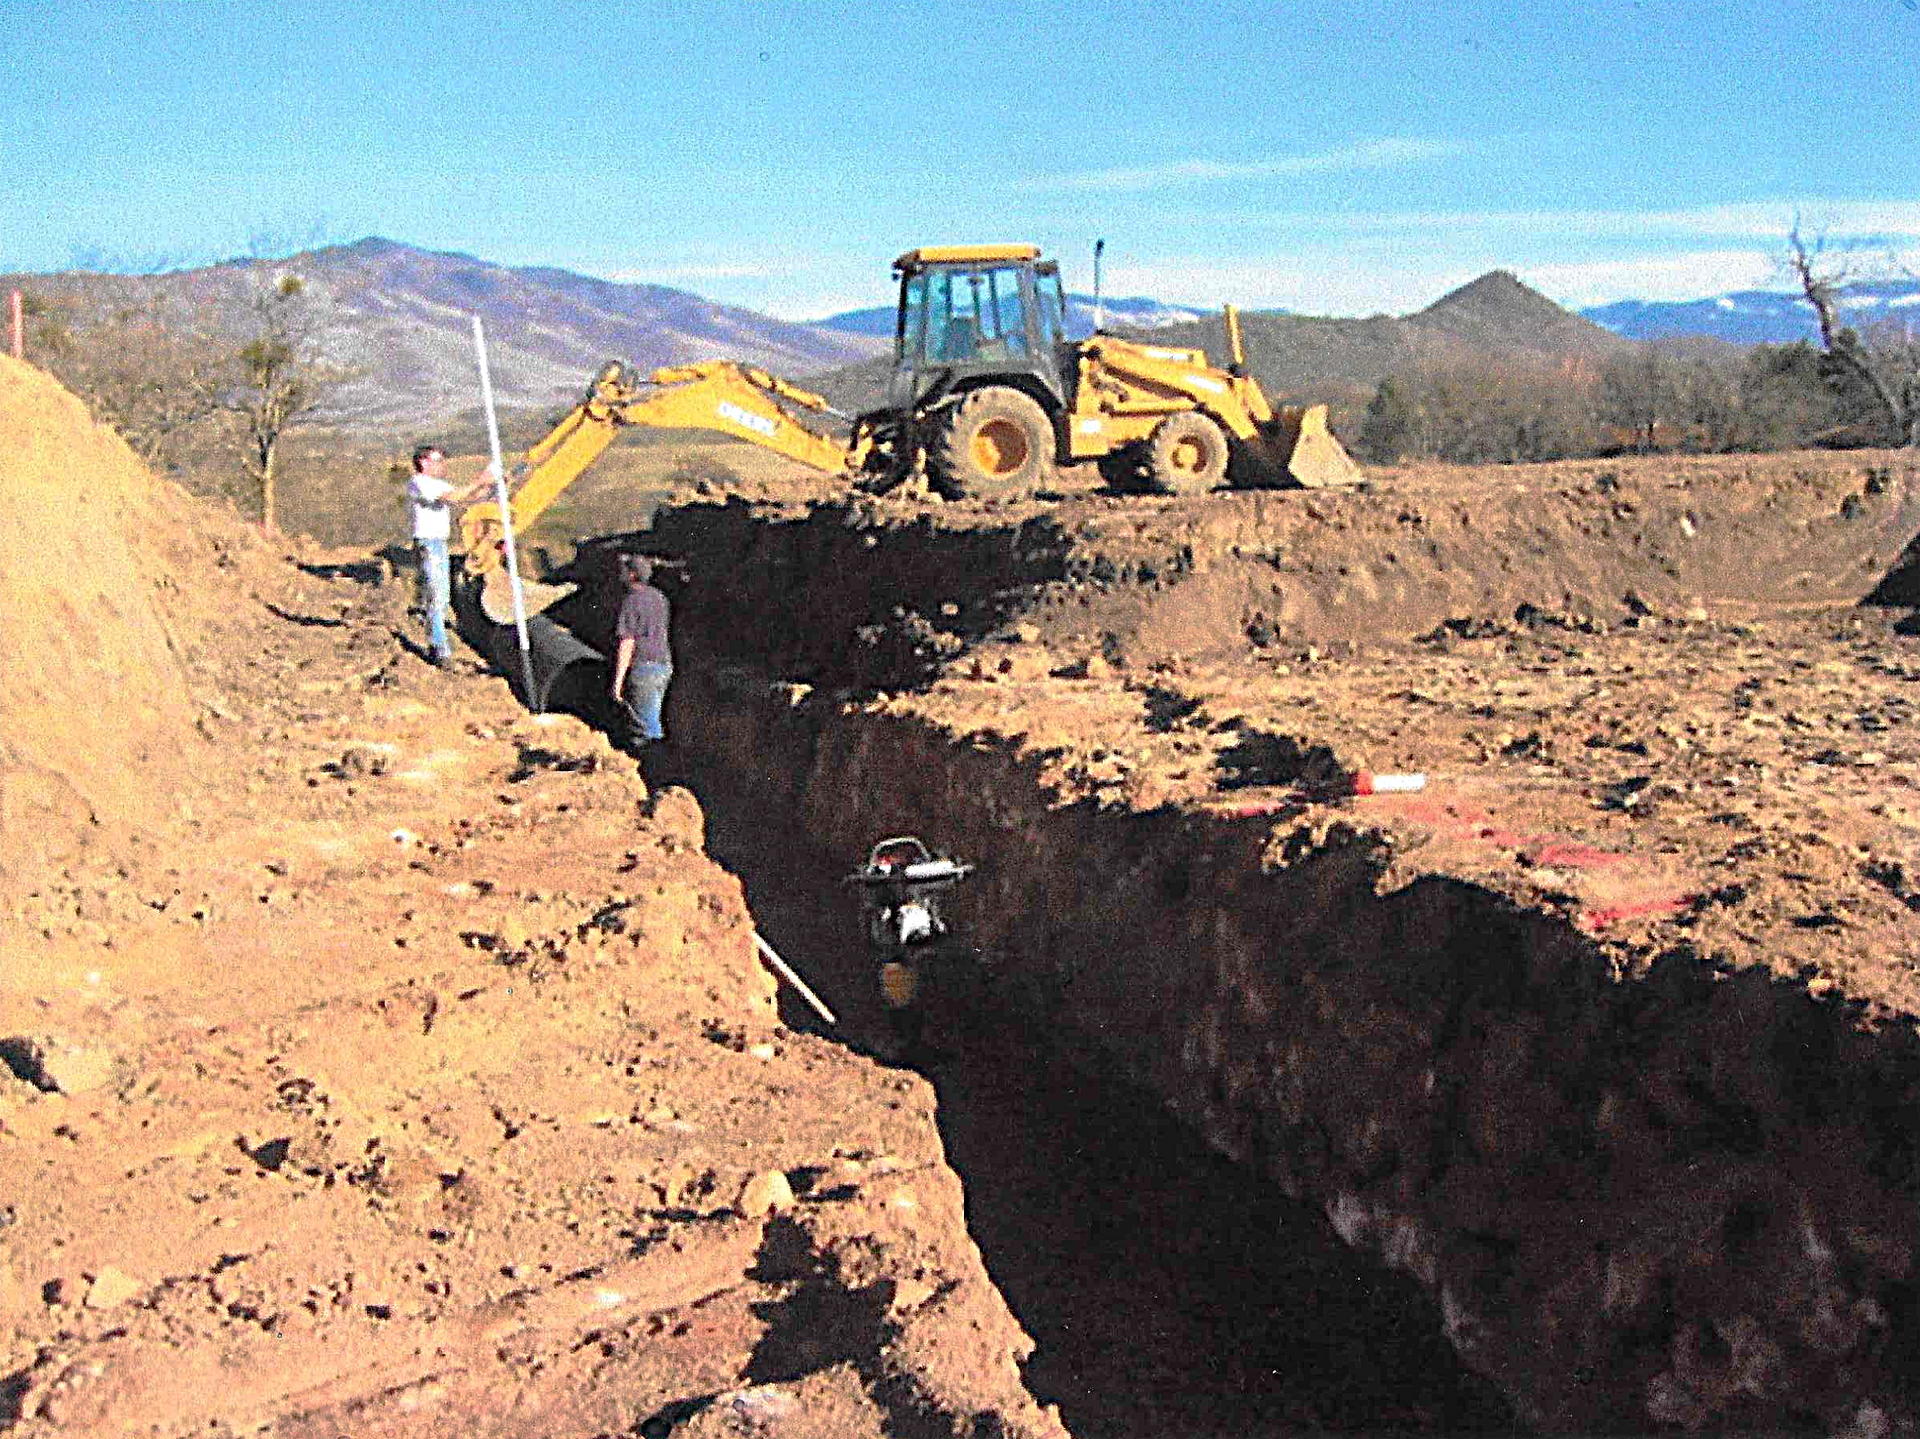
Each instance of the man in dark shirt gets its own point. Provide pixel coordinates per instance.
(642, 662)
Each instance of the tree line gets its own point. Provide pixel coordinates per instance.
(1660, 397)
(1857, 386)
(187, 398)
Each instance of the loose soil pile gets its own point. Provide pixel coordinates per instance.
(90, 674)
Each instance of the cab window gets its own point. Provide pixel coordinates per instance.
(912, 325)
(1053, 308)
(976, 314)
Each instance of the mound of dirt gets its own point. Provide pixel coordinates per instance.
(97, 715)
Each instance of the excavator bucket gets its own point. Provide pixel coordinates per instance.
(1307, 450)
(496, 595)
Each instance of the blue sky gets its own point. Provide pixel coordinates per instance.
(1344, 157)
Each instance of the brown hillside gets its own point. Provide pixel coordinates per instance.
(397, 321)
(1497, 311)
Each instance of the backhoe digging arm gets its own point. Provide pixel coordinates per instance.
(723, 395)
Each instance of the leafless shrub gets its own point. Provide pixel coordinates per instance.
(157, 381)
(1481, 412)
(1882, 359)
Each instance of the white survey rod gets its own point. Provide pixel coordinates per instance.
(506, 515)
(785, 971)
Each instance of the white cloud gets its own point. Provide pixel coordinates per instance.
(1315, 282)
(1366, 155)
(1306, 282)
(805, 308)
(685, 274)
(1765, 221)
(1366, 263)
(1684, 275)
(1687, 275)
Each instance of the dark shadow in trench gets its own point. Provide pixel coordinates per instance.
(1900, 585)
(1168, 1291)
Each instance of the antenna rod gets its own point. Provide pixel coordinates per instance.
(506, 516)
(1098, 246)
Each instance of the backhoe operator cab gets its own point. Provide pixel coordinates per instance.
(982, 364)
(977, 310)
(987, 387)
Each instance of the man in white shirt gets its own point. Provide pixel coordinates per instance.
(432, 496)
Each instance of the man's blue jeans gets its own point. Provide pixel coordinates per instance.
(436, 592)
(646, 691)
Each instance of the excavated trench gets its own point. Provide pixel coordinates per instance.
(1684, 1199)
(1169, 1290)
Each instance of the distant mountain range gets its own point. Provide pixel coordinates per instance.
(1749, 317)
(399, 319)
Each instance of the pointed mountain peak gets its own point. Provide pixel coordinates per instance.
(1494, 292)
(1500, 309)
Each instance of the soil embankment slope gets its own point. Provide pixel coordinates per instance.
(91, 678)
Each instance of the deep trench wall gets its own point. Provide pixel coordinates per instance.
(850, 592)
(1688, 1198)
(865, 593)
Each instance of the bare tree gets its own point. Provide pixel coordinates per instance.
(1481, 410)
(1885, 359)
(1639, 396)
(282, 380)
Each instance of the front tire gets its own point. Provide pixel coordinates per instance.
(996, 441)
(1186, 454)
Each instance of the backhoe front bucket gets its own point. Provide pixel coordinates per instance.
(496, 596)
(1307, 450)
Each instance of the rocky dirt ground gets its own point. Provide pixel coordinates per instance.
(382, 1059)
(1668, 820)
(1640, 690)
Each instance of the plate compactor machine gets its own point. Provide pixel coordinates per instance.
(914, 952)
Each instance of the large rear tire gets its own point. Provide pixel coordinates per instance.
(1186, 454)
(996, 441)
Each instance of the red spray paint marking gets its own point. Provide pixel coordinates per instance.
(1594, 920)
(1571, 854)
(1533, 850)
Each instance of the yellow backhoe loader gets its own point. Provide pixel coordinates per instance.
(986, 395)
